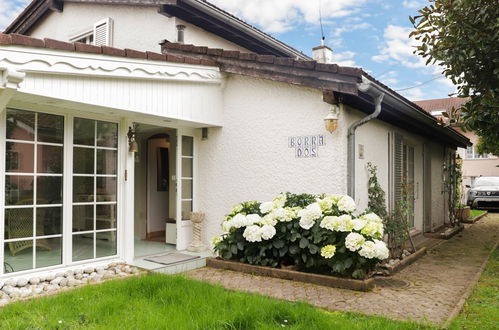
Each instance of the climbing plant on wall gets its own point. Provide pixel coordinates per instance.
(452, 181)
(395, 222)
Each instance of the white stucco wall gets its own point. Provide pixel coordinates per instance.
(439, 211)
(374, 136)
(249, 158)
(135, 27)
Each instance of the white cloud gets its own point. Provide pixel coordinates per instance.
(277, 16)
(389, 78)
(344, 58)
(350, 28)
(412, 4)
(398, 48)
(9, 9)
(415, 94)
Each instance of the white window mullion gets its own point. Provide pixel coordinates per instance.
(35, 184)
(3, 133)
(67, 223)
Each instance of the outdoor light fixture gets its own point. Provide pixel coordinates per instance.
(331, 120)
(132, 138)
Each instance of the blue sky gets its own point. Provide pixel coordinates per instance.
(372, 34)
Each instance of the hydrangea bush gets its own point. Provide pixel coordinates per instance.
(317, 233)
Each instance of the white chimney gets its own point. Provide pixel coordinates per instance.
(322, 53)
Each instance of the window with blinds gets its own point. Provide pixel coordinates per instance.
(103, 31)
(100, 35)
(403, 174)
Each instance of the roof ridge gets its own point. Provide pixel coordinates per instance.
(268, 59)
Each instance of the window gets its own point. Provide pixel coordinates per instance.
(95, 160)
(472, 153)
(33, 190)
(403, 175)
(51, 204)
(187, 176)
(100, 35)
(86, 38)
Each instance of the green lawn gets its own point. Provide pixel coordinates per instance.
(173, 302)
(476, 213)
(482, 307)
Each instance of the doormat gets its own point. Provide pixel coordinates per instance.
(171, 258)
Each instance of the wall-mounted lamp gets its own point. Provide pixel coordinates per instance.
(204, 133)
(132, 138)
(331, 120)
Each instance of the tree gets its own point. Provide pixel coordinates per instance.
(462, 36)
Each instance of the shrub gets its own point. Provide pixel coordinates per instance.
(315, 233)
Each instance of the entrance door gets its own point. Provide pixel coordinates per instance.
(158, 147)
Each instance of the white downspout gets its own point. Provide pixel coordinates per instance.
(377, 93)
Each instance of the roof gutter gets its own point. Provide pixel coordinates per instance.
(377, 93)
(219, 14)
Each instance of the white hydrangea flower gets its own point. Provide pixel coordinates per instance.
(358, 224)
(346, 204)
(354, 241)
(216, 240)
(368, 250)
(284, 214)
(373, 229)
(309, 214)
(239, 221)
(251, 219)
(253, 233)
(267, 232)
(326, 204)
(269, 219)
(227, 226)
(237, 208)
(266, 207)
(279, 201)
(328, 251)
(372, 217)
(342, 223)
(382, 251)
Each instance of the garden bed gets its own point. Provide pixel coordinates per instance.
(475, 218)
(446, 232)
(325, 280)
(392, 269)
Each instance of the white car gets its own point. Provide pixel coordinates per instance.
(484, 194)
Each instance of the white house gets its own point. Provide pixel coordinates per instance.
(239, 116)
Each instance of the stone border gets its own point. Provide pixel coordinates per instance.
(447, 234)
(19, 288)
(325, 280)
(475, 219)
(391, 270)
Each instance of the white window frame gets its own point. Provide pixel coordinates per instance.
(475, 155)
(92, 32)
(87, 34)
(67, 197)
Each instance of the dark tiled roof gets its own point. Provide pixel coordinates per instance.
(22, 40)
(284, 69)
(444, 104)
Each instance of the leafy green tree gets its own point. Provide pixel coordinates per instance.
(462, 36)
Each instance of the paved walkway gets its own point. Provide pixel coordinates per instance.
(435, 283)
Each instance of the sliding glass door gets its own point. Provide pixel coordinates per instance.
(95, 160)
(33, 190)
(36, 212)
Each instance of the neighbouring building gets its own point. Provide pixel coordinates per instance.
(111, 139)
(474, 163)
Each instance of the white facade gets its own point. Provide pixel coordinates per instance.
(135, 27)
